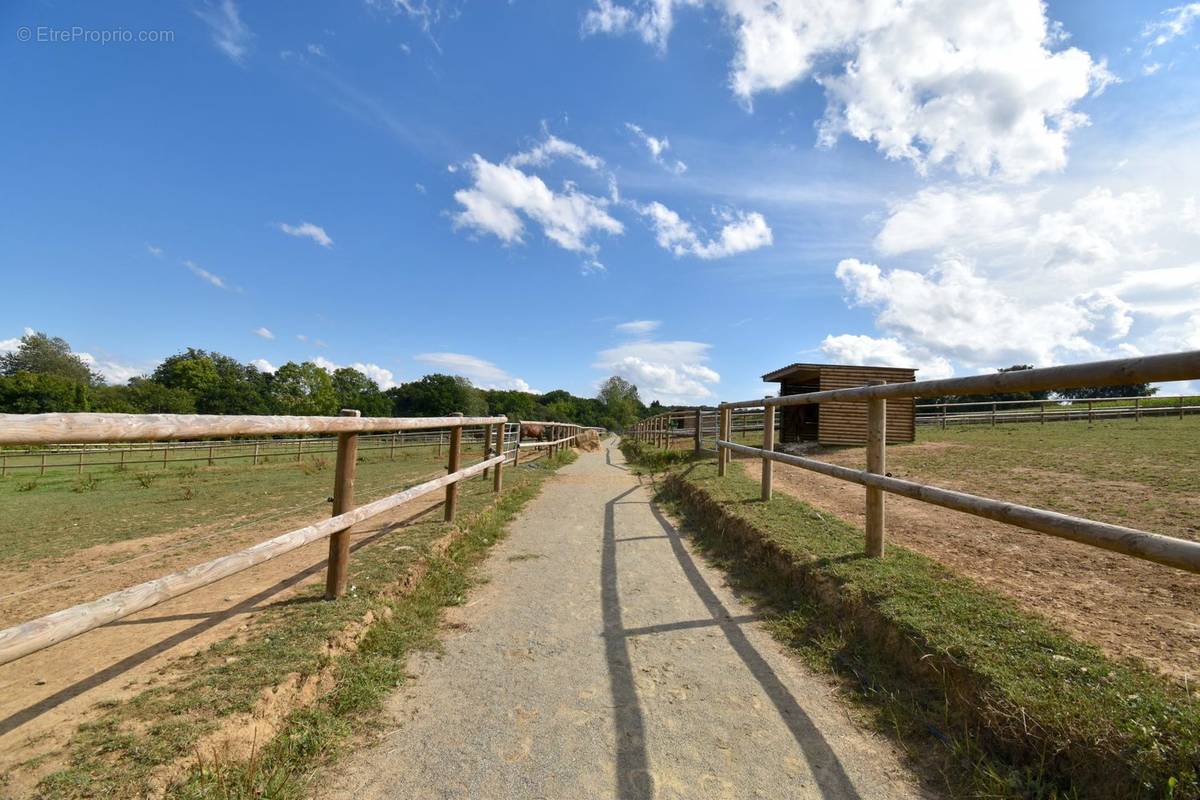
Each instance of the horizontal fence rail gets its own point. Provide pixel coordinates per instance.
(1055, 410)
(38, 634)
(499, 438)
(254, 451)
(1172, 551)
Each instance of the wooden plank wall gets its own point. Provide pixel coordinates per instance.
(846, 423)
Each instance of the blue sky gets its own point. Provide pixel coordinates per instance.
(540, 194)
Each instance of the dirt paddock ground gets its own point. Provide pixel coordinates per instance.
(1126, 606)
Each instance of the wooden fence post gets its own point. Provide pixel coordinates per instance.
(1181, 407)
(79, 469)
(943, 416)
(517, 452)
(768, 445)
(1043, 407)
(1091, 418)
(299, 445)
(993, 415)
(210, 455)
(255, 454)
(166, 449)
(697, 444)
(722, 433)
(452, 467)
(42, 471)
(343, 501)
(498, 475)
(487, 446)
(392, 450)
(1137, 409)
(877, 463)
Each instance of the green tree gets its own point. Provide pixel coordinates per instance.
(356, 390)
(38, 393)
(622, 405)
(1103, 392)
(42, 355)
(302, 390)
(142, 396)
(437, 395)
(219, 384)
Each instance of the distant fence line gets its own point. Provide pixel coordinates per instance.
(164, 454)
(499, 438)
(1175, 552)
(1055, 410)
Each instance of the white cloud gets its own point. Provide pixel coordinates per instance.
(639, 326)
(1031, 242)
(551, 148)
(657, 148)
(979, 86)
(230, 34)
(308, 230)
(742, 231)
(480, 372)
(420, 187)
(111, 371)
(315, 50)
(205, 275)
(9, 345)
(652, 22)
(886, 352)
(954, 312)
(995, 277)
(1176, 22)
(502, 197)
(263, 365)
(382, 377)
(263, 333)
(154, 251)
(670, 372)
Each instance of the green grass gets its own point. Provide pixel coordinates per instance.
(1143, 474)
(62, 512)
(996, 700)
(119, 753)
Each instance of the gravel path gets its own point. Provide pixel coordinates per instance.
(602, 659)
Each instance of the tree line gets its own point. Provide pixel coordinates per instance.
(44, 375)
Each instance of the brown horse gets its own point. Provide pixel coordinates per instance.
(530, 430)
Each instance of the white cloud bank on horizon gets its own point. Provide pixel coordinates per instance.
(996, 277)
(480, 372)
(674, 372)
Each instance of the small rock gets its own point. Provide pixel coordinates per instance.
(40, 682)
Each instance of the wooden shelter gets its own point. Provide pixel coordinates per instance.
(840, 423)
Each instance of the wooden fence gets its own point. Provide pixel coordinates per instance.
(163, 455)
(1043, 411)
(730, 421)
(43, 429)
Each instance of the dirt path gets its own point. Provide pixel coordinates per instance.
(1125, 606)
(602, 659)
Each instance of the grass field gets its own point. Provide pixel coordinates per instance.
(61, 512)
(63, 522)
(1144, 474)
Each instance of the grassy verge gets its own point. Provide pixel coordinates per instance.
(644, 458)
(153, 742)
(997, 700)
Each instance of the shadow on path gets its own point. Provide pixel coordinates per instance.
(209, 620)
(827, 769)
(634, 781)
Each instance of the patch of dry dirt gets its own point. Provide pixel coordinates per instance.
(1128, 607)
(44, 696)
